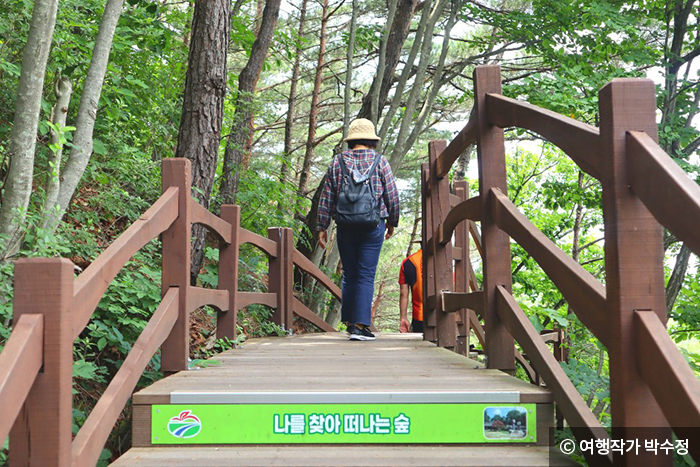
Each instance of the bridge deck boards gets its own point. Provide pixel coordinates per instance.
(328, 456)
(331, 362)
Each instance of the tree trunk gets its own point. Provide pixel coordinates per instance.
(419, 123)
(414, 231)
(375, 91)
(407, 121)
(394, 48)
(87, 114)
(240, 140)
(675, 282)
(349, 65)
(315, 97)
(18, 187)
(291, 102)
(64, 90)
(406, 72)
(203, 107)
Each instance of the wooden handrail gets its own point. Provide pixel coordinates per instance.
(303, 312)
(92, 283)
(476, 236)
(250, 298)
(481, 337)
(216, 225)
(264, 244)
(453, 301)
(470, 209)
(90, 440)
(457, 146)
(568, 398)
(673, 384)
(311, 269)
(656, 178)
(579, 140)
(20, 362)
(583, 291)
(198, 297)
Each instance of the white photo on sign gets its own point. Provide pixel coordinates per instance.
(505, 422)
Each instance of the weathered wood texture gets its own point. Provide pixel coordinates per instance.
(176, 264)
(263, 298)
(633, 257)
(670, 379)
(198, 297)
(656, 179)
(93, 282)
(469, 209)
(332, 456)
(216, 225)
(476, 236)
(583, 291)
(281, 275)
(429, 315)
(20, 362)
(264, 244)
(567, 396)
(496, 245)
(303, 312)
(579, 140)
(41, 434)
(453, 301)
(457, 146)
(89, 441)
(441, 254)
(311, 269)
(462, 269)
(228, 273)
(320, 362)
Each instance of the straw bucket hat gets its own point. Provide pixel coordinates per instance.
(361, 129)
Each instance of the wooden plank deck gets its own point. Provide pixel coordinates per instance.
(332, 363)
(330, 456)
(328, 368)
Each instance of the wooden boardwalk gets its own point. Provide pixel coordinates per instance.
(329, 370)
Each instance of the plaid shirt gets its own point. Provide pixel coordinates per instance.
(382, 181)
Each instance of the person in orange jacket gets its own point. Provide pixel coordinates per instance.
(411, 279)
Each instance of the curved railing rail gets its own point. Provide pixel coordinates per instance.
(641, 184)
(20, 363)
(51, 309)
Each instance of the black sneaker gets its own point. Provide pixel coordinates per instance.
(364, 334)
(350, 328)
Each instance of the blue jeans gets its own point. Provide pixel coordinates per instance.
(359, 252)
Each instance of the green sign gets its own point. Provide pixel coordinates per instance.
(343, 423)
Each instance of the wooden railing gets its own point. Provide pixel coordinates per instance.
(643, 188)
(51, 309)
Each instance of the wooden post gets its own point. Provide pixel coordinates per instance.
(429, 319)
(288, 277)
(442, 254)
(41, 434)
(280, 277)
(176, 265)
(228, 273)
(633, 259)
(558, 352)
(462, 270)
(495, 243)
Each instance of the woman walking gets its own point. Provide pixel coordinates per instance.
(360, 193)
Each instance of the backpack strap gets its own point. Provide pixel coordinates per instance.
(368, 174)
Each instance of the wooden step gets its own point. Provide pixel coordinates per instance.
(330, 456)
(324, 388)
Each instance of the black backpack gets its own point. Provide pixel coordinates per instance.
(357, 204)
